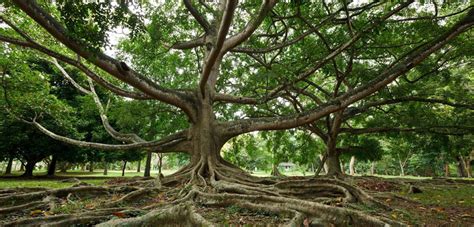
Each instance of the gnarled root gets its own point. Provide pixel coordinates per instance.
(184, 198)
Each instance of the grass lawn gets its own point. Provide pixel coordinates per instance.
(95, 178)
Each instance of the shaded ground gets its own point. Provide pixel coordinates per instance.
(443, 201)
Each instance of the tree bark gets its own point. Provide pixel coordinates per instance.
(446, 170)
(106, 168)
(160, 165)
(123, 168)
(22, 167)
(8, 170)
(461, 167)
(275, 171)
(334, 165)
(139, 165)
(352, 163)
(29, 167)
(325, 165)
(52, 166)
(91, 166)
(372, 168)
(147, 171)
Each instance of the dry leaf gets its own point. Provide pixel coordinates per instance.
(36, 212)
(119, 214)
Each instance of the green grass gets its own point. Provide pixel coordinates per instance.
(40, 182)
(460, 195)
(95, 178)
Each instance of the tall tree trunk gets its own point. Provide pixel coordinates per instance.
(147, 171)
(106, 168)
(461, 167)
(83, 167)
(22, 167)
(139, 165)
(8, 170)
(91, 166)
(52, 166)
(352, 163)
(29, 167)
(123, 168)
(446, 170)
(372, 168)
(160, 165)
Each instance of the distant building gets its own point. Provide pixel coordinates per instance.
(286, 165)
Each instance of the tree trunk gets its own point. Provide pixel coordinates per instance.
(52, 166)
(372, 168)
(325, 165)
(106, 168)
(468, 167)
(402, 168)
(139, 165)
(446, 170)
(22, 167)
(147, 172)
(29, 167)
(83, 167)
(123, 168)
(160, 165)
(343, 170)
(91, 167)
(334, 165)
(332, 161)
(352, 163)
(8, 170)
(275, 171)
(461, 167)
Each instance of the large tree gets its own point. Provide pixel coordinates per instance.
(214, 67)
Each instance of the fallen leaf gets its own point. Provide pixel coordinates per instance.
(119, 214)
(36, 212)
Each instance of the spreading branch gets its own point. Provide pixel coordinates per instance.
(216, 51)
(112, 66)
(384, 78)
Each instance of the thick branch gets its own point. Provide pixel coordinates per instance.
(249, 29)
(189, 44)
(154, 145)
(198, 16)
(216, 51)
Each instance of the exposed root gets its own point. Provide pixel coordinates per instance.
(178, 200)
(182, 214)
